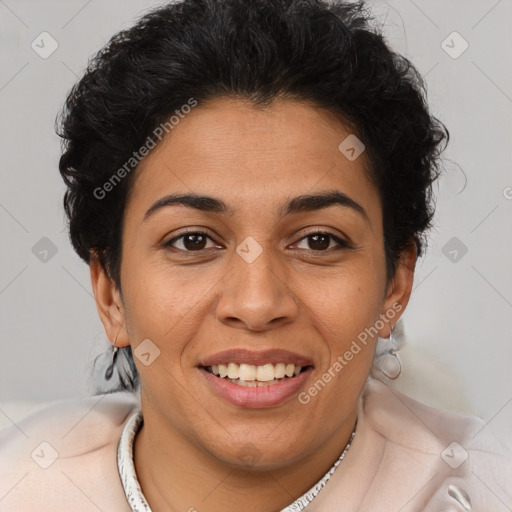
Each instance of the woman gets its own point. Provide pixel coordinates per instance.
(250, 184)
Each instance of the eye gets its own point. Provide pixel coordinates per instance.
(196, 241)
(321, 241)
(191, 241)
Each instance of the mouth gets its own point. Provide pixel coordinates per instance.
(256, 379)
(252, 376)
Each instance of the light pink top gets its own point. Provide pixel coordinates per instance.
(405, 457)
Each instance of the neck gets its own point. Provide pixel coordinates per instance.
(174, 474)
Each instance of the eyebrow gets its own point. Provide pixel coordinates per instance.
(299, 204)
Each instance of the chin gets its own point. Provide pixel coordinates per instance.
(259, 453)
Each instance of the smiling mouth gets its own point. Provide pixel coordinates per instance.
(248, 375)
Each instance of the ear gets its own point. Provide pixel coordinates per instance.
(399, 290)
(109, 303)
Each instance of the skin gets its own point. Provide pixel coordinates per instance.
(298, 295)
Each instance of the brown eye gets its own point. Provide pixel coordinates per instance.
(194, 242)
(322, 241)
(319, 242)
(190, 242)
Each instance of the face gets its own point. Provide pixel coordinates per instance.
(257, 281)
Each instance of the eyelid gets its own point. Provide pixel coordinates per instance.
(342, 244)
(188, 231)
(341, 237)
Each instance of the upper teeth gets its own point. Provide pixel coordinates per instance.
(250, 372)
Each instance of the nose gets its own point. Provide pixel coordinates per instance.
(257, 296)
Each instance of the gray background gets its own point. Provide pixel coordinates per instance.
(459, 320)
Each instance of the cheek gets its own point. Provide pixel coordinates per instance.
(348, 298)
(167, 307)
(156, 297)
(343, 309)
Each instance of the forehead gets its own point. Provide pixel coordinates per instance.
(252, 156)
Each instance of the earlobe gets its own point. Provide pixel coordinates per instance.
(108, 303)
(399, 290)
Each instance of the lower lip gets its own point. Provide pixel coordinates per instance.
(256, 397)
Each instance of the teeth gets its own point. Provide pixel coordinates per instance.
(233, 370)
(253, 383)
(223, 371)
(265, 373)
(249, 373)
(279, 371)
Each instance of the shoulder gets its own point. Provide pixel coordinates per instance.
(408, 456)
(390, 411)
(64, 455)
(456, 457)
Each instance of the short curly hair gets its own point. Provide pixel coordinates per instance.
(327, 54)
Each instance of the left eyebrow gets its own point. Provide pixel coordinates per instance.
(299, 204)
(309, 203)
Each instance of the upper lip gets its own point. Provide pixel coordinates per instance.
(244, 356)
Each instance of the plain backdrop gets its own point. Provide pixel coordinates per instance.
(459, 320)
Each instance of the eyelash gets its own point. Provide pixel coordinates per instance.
(342, 243)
